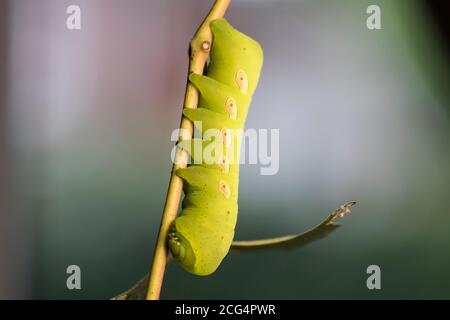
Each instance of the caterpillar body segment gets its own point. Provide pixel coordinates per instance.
(201, 236)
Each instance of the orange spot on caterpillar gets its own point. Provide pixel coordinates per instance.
(242, 80)
(226, 136)
(231, 108)
(223, 187)
(224, 165)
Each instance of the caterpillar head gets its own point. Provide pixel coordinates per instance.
(236, 59)
(180, 248)
(196, 250)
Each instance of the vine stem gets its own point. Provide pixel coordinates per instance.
(200, 46)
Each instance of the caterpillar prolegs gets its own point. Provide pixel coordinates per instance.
(201, 236)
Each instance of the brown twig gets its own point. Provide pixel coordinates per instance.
(199, 50)
(298, 240)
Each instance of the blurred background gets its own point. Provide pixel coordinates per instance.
(85, 124)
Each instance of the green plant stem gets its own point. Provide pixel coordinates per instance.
(200, 46)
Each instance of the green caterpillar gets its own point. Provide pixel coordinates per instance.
(201, 236)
